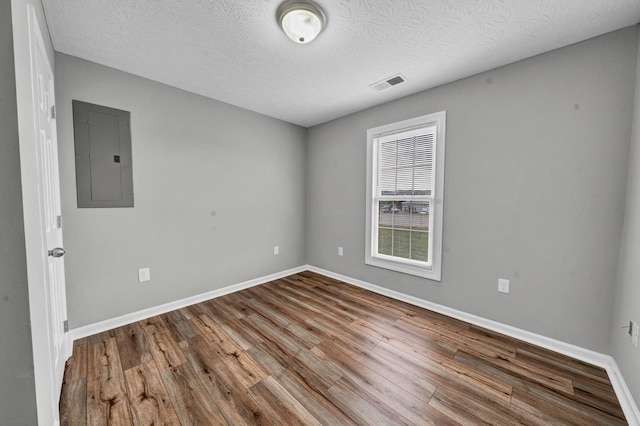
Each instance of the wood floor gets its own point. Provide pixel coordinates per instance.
(310, 350)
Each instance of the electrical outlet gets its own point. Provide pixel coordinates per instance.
(276, 250)
(633, 333)
(503, 285)
(144, 274)
(340, 251)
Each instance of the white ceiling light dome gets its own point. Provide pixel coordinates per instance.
(302, 21)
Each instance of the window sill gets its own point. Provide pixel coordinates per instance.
(404, 268)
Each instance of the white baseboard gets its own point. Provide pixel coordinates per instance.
(99, 327)
(629, 407)
(606, 362)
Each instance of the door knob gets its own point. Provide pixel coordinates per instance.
(57, 252)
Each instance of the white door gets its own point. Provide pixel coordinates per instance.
(49, 203)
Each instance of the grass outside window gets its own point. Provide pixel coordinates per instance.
(404, 243)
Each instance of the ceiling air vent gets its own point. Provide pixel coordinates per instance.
(388, 82)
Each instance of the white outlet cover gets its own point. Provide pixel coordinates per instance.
(503, 285)
(340, 251)
(276, 250)
(144, 274)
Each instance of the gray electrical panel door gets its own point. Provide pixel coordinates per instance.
(104, 176)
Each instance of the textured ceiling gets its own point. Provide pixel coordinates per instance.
(234, 51)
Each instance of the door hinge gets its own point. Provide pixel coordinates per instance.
(66, 326)
(53, 111)
(59, 221)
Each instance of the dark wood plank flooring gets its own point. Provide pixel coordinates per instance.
(307, 349)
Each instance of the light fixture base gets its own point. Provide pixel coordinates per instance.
(301, 20)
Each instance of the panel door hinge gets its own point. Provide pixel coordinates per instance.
(53, 112)
(59, 221)
(66, 326)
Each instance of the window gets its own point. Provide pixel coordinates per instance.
(405, 183)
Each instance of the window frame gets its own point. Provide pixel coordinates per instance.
(431, 270)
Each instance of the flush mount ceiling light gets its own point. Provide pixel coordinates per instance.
(301, 21)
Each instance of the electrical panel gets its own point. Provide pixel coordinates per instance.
(104, 173)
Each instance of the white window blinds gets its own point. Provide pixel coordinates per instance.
(406, 164)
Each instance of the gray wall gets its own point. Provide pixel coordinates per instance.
(216, 187)
(17, 386)
(627, 306)
(536, 163)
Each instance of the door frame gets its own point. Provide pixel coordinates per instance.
(26, 22)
